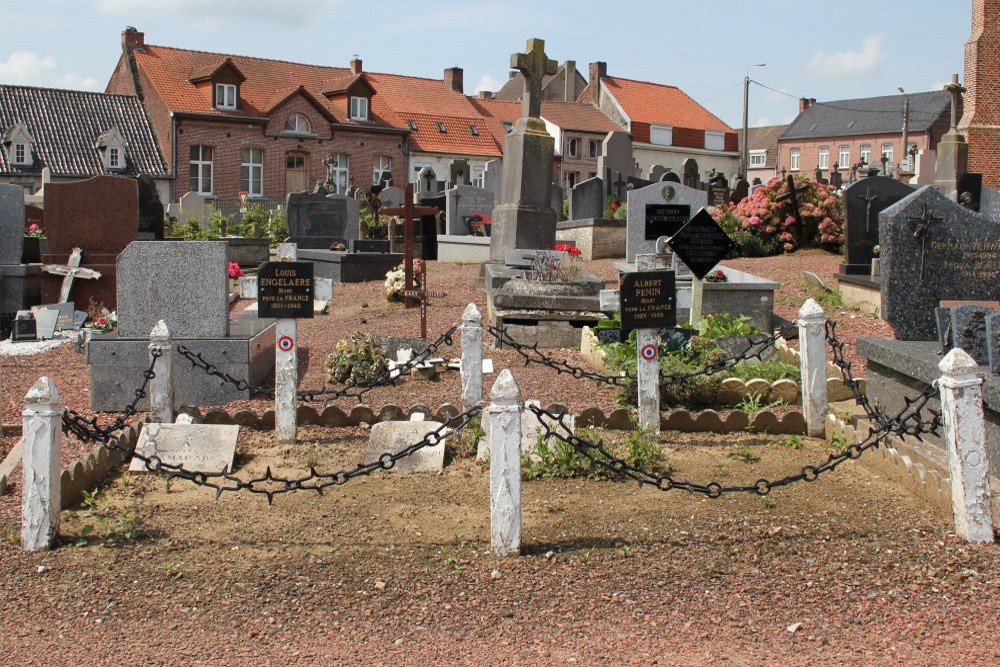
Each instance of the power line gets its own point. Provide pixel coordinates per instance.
(913, 114)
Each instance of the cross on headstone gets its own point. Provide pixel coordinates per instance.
(422, 295)
(533, 65)
(921, 225)
(868, 198)
(791, 196)
(621, 185)
(956, 89)
(70, 270)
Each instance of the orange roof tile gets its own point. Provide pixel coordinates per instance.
(663, 105)
(457, 137)
(579, 117)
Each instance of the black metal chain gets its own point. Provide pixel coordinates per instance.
(86, 428)
(753, 351)
(352, 389)
(907, 422)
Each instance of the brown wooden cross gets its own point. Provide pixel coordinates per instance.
(534, 65)
(70, 270)
(422, 294)
(791, 196)
(409, 214)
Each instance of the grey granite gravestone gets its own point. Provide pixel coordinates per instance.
(11, 223)
(656, 172)
(194, 206)
(464, 201)
(393, 437)
(968, 330)
(204, 448)
(392, 196)
(586, 200)
(932, 249)
(993, 341)
(458, 172)
(864, 200)
(989, 203)
(316, 219)
(616, 154)
(675, 195)
(182, 283)
(492, 176)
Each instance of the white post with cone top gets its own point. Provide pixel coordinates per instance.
(472, 356)
(812, 345)
(505, 465)
(42, 466)
(161, 385)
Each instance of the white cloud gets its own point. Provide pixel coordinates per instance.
(488, 82)
(217, 14)
(850, 63)
(27, 68)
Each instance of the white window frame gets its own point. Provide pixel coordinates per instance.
(866, 153)
(252, 171)
(19, 153)
(477, 175)
(297, 123)
(823, 158)
(661, 135)
(889, 155)
(341, 173)
(115, 160)
(844, 159)
(225, 96)
(757, 159)
(359, 108)
(794, 158)
(380, 165)
(200, 168)
(715, 140)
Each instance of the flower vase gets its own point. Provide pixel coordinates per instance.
(488, 228)
(33, 249)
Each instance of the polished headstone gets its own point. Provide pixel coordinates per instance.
(465, 201)
(864, 200)
(316, 219)
(586, 200)
(675, 195)
(11, 223)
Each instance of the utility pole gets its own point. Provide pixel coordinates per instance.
(745, 153)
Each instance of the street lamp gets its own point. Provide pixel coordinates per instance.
(745, 155)
(906, 126)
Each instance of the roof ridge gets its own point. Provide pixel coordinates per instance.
(882, 97)
(65, 90)
(238, 55)
(650, 83)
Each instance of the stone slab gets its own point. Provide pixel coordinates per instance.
(344, 267)
(656, 194)
(464, 201)
(317, 219)
(393, 437)
(197, 447)
(462, 249)
(597, 238)
(586, 199)
(11, 223)
(45, 321)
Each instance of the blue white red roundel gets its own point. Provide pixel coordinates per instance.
(285, 343)
(648, 352)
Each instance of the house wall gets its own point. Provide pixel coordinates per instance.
(441, 164)
(583, 165)
(980, 122)
(122, 83)
(673, 157)
(809, 149)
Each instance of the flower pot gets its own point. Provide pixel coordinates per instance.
(34, 248)
(875, 267)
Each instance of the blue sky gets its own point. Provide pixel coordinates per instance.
(826, 50)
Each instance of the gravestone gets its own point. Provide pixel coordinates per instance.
(701, 244)
(315, 219)
(12, 224)
(586, 200)
(194, 207)
(741, 189)
(616, 154)
(206, 448)
(393, 437)
(692, 179)
(670, 177)
(718, 193)
(492, 177)
(968, 330)
(183, 283)
(150, 210)
(556, 200)
(993, 341)
(98, 215)
(864, 200)
(672, 206)
(656, 172)
(392, 196)
(464, 201)
(458, 173)
(932, 250)
(427, 181)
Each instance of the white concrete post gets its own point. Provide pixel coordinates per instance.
(965, 438)
(812, 345)
(648, 367)
(697, 298)
(286, 370)
(505, 465)
(472, 356)
(161, 386)
(42, 466)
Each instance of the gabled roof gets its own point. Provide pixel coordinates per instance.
(763, 138)
(513, 89)
(66, 125)
(659, 104)
(283, 96)
(869, 115)
(457, 137)
(344, 84)
(208, 71)
(496, 113)
(579, 117)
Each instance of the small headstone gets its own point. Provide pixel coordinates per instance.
(25, 326)
(675, 199)
(46, 323)
(392, 196)
(315, 220)
(204, 448)
(754, 347)
(741, 189)
(968, 330)
(393, 437)
(864, 200)
(492, 175)
(463, 202)
(12, 223)
(670, 177)
(609, 300)
(79, 318)
(193, 206)
(815, 281)
(586, 200)
(993, 341)
(616, 154)
(656, 172)
(692, 177)
(65, 310)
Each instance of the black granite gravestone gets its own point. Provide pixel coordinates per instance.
(701, 244)
(864, 201)
(648, 300)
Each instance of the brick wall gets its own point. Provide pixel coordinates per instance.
(981, 118)
(809, 149)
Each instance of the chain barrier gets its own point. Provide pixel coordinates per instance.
(755, 350)
(86, 428)
(907, 422)
(352, 389)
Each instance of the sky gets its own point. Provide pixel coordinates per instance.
(825, 50)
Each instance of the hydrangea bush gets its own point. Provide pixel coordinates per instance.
(760, 225)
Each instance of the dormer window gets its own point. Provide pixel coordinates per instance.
(441, 128)
(225, 96)
(359, 108)
(474, 130)
(21, 153)
(508, 126)
(112, 145)
(412, 124)
(19, 142)
(115, 158)
(298, 124)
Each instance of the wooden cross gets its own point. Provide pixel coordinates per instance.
(791, 196)
(422, 294)
(921, 225)
(869, 198)
(534, 65)
(409, 213)
(70, 270)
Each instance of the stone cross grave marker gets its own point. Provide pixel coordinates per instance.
(71, 270)
(534, 65)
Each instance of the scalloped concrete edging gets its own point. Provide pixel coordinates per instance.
(93, 467)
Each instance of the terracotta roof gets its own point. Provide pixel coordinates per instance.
(208, 71)
(580, 117)
(659, 104)
(457, 137)
(66, 125)
(496, 113)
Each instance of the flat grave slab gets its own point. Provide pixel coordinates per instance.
(197, 447)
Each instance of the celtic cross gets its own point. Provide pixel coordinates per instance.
(534, 65)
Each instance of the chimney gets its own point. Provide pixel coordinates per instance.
(597, 72)
(453, 78)
(133, 39)
(805, 103)
(356, 65)
(486, 94)
(569, 88)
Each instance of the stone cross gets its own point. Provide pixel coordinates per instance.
(71, 270)
(956, 89)
(869, 198)
(791, 196)
(920, 227)
(534, 65)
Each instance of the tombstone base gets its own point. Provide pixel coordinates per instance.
(20, 287)
(463, 248)
(117, 365)
(347, 267)
(597, 238)
(249, 253)
(861, 291)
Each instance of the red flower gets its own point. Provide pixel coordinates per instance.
(489, 219)
(614, 206)
(234, 270)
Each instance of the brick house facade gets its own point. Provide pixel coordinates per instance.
(980, 122)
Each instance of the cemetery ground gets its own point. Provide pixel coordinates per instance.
(397, 569)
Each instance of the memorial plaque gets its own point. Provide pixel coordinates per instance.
(648, 300)
(701, 244)
(25, 327)
(285, 290)
(204, 448)
(665, 219)
(65, 310)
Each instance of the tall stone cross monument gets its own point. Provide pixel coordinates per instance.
(524, 218)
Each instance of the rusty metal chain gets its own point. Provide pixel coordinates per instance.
(86, 428)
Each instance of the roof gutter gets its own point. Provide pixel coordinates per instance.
(220, 117)
(380, 129)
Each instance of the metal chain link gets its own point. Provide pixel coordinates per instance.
(729, 362)
(86, 428)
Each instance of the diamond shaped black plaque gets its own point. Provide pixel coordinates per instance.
(701, 243)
